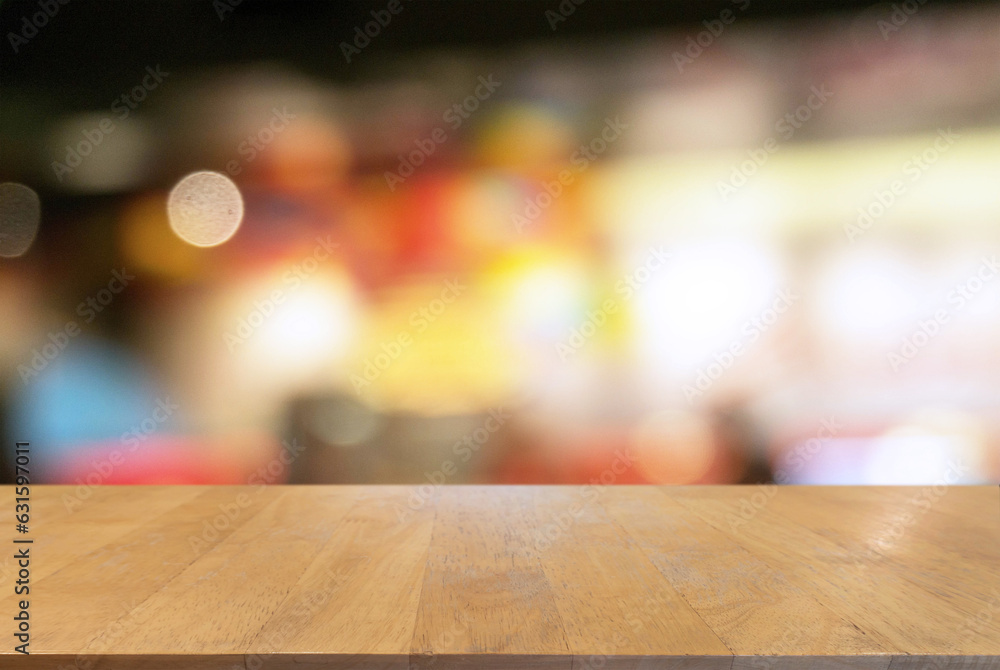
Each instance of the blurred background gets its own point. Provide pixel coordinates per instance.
(530, 242)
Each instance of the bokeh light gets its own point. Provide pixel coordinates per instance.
(20, 215)
(205, 209)
(607, 257)
(674, 447)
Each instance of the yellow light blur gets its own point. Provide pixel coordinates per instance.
(149, 245)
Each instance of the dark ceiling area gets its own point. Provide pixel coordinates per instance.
(84, 37)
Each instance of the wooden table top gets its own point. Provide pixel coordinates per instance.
(575, 578)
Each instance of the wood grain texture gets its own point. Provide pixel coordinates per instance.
(575, 578)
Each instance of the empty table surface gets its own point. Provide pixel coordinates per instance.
(507, 577)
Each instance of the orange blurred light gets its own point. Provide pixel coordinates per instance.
(150, 246)
(673, 447)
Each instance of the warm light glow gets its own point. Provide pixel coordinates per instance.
(149, 245)
(312, 322)
(526, 134)
(698, 303)
(673, 447)
(925, 449)
(93, 153)
(911, 459)
(868, 297)
(545, 293)
(205, 209)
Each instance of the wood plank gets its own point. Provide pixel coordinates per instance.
(61, 540)
(612, 600)
(109, 583)
(239, 582)
(911, 539)
(360, 594)
(873, 596)
(484, 590)
(463, 577)
(754, 607)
